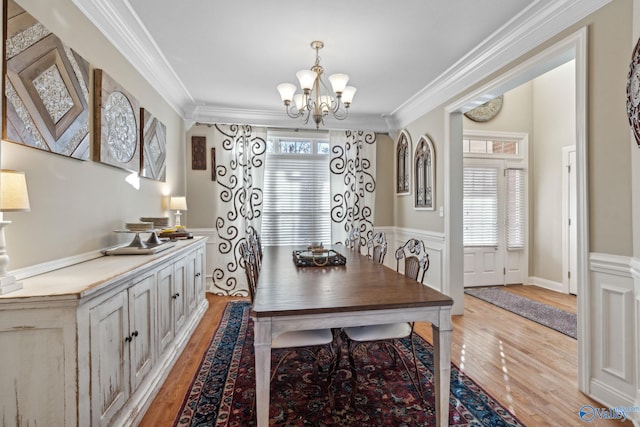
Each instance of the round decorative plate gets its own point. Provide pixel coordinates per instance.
(633, 93)
(486, 111)
(120, 123)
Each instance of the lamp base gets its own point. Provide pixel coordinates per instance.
(9, 284)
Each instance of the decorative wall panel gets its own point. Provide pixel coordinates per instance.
(46, 97)
(154, 147)
(116, 139)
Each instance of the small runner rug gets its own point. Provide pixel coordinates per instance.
(223, 390)
(551, 317)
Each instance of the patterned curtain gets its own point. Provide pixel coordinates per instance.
(240, 156)
(353, 184)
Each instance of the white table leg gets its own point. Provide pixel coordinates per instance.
(442, 366)
(262, 351)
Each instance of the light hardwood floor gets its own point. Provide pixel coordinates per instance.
(530, 369)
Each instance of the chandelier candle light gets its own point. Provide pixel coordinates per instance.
(316, 99)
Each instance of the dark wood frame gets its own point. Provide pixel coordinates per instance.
(199, 152)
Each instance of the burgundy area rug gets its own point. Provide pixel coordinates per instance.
(223, 390)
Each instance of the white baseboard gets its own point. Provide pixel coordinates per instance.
(547, 284)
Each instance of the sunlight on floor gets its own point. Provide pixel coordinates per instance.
(464, 346)
(505, 375)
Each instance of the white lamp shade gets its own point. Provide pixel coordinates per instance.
(325, 103)
(178, 203)
(347, 94)
(298, 98)
(13, 192)
(338, 82)
(306, 78)
(287, 90)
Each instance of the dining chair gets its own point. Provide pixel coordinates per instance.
(255, 243)
(353, 239)
(377, 247)
(310, 340)
(415, 265)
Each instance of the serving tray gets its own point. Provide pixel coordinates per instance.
(319, 257)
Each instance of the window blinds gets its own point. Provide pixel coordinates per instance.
(480, 191)
(296, 200)
(515, 212)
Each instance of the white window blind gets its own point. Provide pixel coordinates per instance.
(480, 222)
(296, 199)
(515, 208)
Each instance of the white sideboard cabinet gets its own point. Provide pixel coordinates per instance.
(91, 344)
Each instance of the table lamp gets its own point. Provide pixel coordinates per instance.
(13, 198)
(178, 204)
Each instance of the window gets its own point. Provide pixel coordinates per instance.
(403, 156)
(495, 187)
(516, 213)
(297, 195)
(480, 206)
(490, 146)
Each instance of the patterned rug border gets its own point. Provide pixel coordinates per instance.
(553, 318)
(230, 334)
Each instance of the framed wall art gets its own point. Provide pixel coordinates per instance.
(199, 152)
(424, 167)
(153, 135)
(213, 164)
(116, 111)
(403, 163)
(46, 96)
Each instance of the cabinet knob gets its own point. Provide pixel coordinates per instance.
(197, 274)
(134, 334)
(128, 339)
(176, 295)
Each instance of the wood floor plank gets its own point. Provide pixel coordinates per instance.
(530, 369)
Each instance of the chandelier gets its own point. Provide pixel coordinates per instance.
(316, 99)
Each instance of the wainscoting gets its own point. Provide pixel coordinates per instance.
(613, 321)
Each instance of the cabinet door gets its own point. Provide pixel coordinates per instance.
(192, 282)
(109, 358)
(199, 274)
(180, 293)
(141, 329)
(164, 295)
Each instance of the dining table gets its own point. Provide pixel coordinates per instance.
(361, 292)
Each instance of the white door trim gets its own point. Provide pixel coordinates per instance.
(572, 47)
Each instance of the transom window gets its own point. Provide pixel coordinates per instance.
(490, 146)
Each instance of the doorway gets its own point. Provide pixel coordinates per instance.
(573, 47)
(495, 194)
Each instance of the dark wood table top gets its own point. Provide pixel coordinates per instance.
(361, 284)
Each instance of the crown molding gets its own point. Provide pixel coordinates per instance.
(279, 119)
(540, 21)
(533, 26)
(119, 23)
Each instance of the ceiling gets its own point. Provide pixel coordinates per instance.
(222, 60)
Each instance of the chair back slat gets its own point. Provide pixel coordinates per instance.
(353, 239)
(377, 247)
(416, 259)
(250, 267)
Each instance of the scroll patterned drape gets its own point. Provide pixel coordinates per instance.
(353, 184)
(240, 156)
